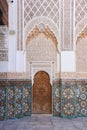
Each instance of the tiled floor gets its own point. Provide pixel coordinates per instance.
(44, 122)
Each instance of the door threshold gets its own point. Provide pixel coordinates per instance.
(41, 115)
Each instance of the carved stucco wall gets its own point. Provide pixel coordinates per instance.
(67, 19)
(80, 16)
(41, 13)
(35, 8)
(40, 10)
(81, 51)
(81, 35)
(3, 32)
(41, 51)
(3, 43)
(32, 13)
(20, 24)
(81, 55)
(68, 16)
(57, 13)
(41, 24)
(67, 25)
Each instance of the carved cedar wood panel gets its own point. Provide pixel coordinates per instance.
(42, 94)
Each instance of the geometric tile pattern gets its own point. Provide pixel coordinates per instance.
(81, 100)
(27, 100)
(35, 8)
(80, 11)
(68, 103)
(56, 98)
(18, 101)
(2, 102)
(15, 100)
(73, 98)
(69, 99)
(10, 102)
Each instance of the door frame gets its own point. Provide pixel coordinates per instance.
(36, 66)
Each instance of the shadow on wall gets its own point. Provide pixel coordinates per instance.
(3, 12)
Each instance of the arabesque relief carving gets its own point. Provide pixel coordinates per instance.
(82, 35)
(47, 33)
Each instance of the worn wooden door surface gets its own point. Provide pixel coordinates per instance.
(42, 94)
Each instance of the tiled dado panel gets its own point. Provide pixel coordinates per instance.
(15, 99)
(70, 98)
(81, 98)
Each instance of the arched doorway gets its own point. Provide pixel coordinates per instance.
(42, 94)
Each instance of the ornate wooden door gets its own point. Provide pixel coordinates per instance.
(42, 94)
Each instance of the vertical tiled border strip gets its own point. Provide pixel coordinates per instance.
(56, 98)
(2, 101)
(6, 95)
(10, 102)
(18, 100)
(27, 100)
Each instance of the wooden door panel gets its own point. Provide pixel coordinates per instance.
(42, 93)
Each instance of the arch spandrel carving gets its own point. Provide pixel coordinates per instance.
(47, 33)
(82, 35)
